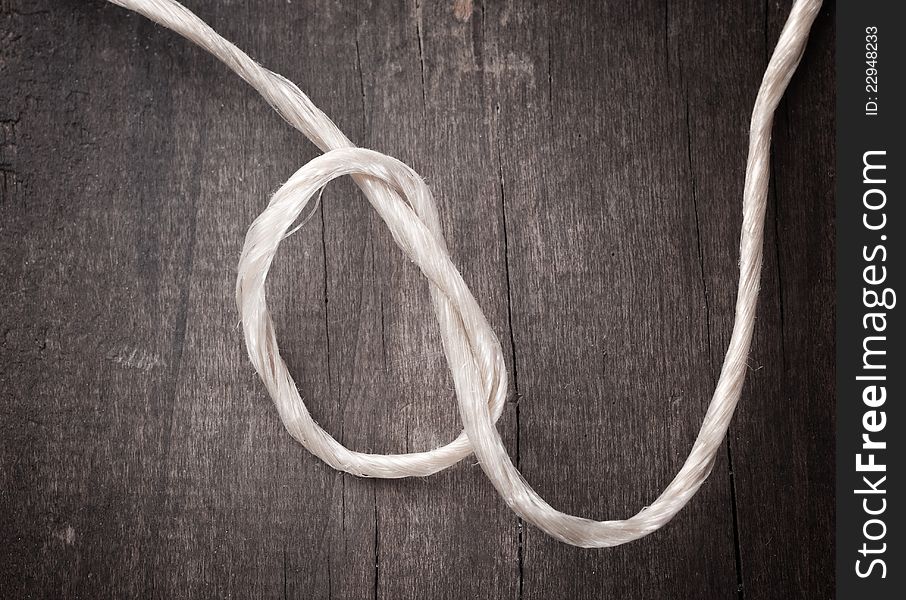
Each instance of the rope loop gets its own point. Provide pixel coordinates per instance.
(416, 229)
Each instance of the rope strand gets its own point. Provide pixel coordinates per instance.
(406, 205)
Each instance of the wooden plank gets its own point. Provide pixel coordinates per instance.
(422, 91)
(193, 488)
(787, 421)
(609, 318)
(97, 314)
(719, 77)
(588, 164)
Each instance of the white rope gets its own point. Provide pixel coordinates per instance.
(472, 350)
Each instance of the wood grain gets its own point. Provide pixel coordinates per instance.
(588, 162)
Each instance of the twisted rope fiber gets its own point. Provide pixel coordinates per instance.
(406, 205)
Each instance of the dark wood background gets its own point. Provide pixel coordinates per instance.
(588, 160)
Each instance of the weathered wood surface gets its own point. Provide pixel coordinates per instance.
(588, 161)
